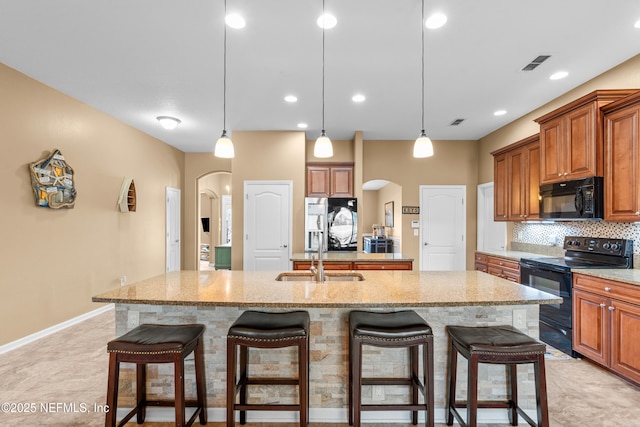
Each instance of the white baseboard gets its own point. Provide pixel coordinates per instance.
(327, 415)
(53, 329)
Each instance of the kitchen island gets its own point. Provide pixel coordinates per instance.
(217, 298)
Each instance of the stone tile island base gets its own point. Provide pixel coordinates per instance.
(329, 369)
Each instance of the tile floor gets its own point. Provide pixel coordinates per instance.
(57, 380)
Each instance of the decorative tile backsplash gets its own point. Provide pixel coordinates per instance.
(553, 233)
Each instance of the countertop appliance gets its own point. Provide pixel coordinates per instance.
(553, 275)
(575, 200)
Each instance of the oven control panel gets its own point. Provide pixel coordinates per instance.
(599, 245)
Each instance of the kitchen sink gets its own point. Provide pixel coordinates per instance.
(307, 276)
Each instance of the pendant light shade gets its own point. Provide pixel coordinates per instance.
(224, 145)
(323, 147)
(423, 147)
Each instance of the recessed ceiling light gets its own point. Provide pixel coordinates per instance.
(235, 21)
(303, 125)
(436, 20)
(291, 98)
(558, 75)
(358, 97)
(327, 21)
(167, 122)
(637, 24)
(500, 113)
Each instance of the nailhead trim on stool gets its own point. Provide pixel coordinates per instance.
(257, 329)
(398, 329)
(158, 344)
(503, 345)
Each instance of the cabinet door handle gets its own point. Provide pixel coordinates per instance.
(603, 305)
(611, 308)
(638, 213)
(559, 173)
(607, 289)
(566, 173)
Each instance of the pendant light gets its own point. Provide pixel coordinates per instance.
(323, 147)
(224, 145)
(423, 147)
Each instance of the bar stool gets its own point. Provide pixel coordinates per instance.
(256, 329)
(157, 344)
(402, 329)
(496, 345)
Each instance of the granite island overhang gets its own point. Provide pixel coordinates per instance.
(217, 298)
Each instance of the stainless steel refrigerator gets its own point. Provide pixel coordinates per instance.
(336, 218)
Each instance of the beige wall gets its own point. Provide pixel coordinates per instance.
(454, 163)
(54, 261)
(624, 76)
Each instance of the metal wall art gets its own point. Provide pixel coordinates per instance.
(53, 182)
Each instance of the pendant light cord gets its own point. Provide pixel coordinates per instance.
(323, 25)
(224, 74)
(422, 26)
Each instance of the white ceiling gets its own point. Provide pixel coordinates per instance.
(136, 60)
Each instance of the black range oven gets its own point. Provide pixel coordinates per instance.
(553, 275)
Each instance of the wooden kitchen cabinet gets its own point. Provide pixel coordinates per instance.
(622, 159)
(498, 266)
(481, 262)
(571, 137)
(606, 324)
(517, 180)
(357, 265)
(329, 179)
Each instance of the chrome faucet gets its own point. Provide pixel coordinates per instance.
(318, 273)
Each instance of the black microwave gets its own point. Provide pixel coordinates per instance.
(580, 199)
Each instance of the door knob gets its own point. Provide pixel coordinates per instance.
(283, 246)
(425, 243)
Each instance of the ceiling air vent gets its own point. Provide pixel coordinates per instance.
(534, 64)
(456, 122)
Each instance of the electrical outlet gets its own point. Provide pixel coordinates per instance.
(123, 280)
(520, 318)
(133, 319)
(377, 392)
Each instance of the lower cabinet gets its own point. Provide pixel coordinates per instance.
(606, 324)
(497, 266)
(357, 265)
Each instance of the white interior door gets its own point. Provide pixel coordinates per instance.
(267, 225)
(492, 235)
(442, 227)
(173, 229)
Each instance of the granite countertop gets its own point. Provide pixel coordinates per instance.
(379, 289)
(350, 256)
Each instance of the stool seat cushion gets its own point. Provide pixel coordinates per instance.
(259, 325)
(494, 340)
(392, 325)
(156, 339)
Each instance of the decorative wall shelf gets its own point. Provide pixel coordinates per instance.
(53, 182)
(127, 199)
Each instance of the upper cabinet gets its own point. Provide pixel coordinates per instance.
(329, 179)
(622, 159)
(571, 137)
(517, 180)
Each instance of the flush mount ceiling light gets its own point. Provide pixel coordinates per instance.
(435, 21)
(224, 145)
(637, 24)
(423, 147)
(500, 113)
(167, 122)
(323, 147)
(558, 75)
(235, 21)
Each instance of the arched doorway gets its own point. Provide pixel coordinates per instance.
(379, 195)
(214, 216)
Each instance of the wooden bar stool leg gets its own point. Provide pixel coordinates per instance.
(413, 363)
(201, 381)
(357, 386)
(178, 369)
(231, 380)
(512, 392)
(429, 399)
(472, 391)
(452, 373)
(244, 375)
(350, 406)
(141, 392)
(112, 390)
(303, 380)
(541, 392)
